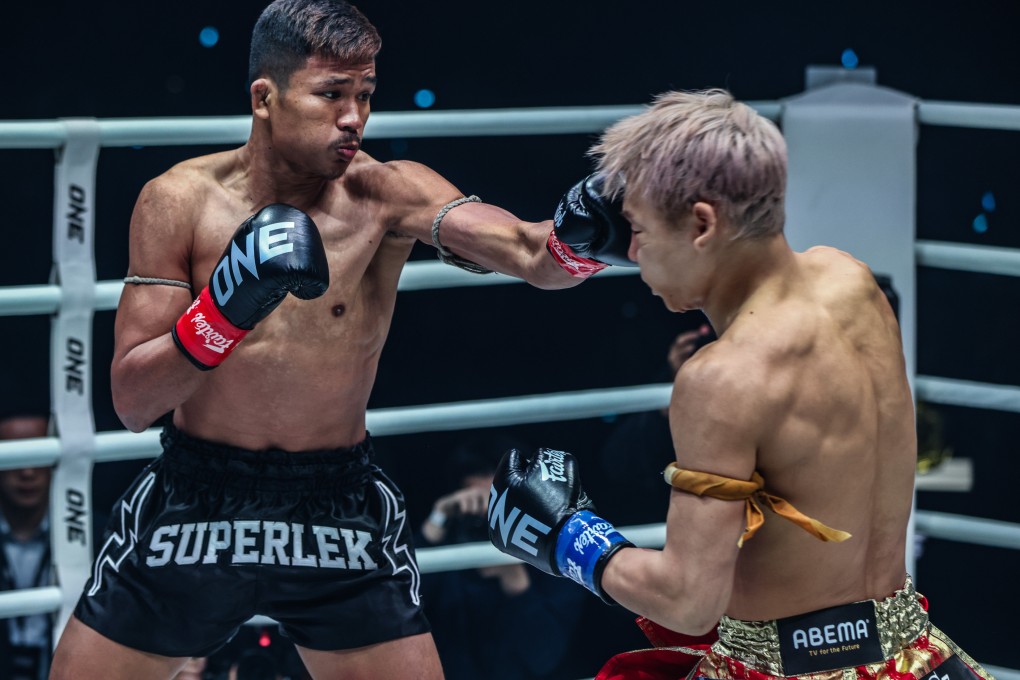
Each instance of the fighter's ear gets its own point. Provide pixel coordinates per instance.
(706, 221)
(262, 91)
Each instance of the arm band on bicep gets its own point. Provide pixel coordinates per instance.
(753, 493)
(150, 281)
(444, 254)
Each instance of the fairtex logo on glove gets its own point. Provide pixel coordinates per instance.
(213, 339)
(575, 265)
(593, 534)
(574, 572)
(204, 335)
(552, 465)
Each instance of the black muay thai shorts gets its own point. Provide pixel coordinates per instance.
(210, 535)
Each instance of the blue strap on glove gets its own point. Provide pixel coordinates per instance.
(583, 548)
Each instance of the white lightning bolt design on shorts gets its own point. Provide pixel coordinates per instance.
(120, 543)
(394, 513)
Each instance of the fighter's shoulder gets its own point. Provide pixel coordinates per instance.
(400, 181)
(178, 194)
(720, 369)
(734, 373)
(839, 281)
(830, 259)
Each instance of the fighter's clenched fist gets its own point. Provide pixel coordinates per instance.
(589, 230)
(276, 251)
(539, 513)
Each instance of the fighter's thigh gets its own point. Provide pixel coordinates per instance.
(84, 654)
(410, 658)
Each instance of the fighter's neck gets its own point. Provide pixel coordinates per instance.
(748, 274)
(267, 180)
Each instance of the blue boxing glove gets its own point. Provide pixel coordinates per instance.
(589, 230)
(539, 513)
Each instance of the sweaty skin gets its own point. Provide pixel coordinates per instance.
(302, 378)
(807, 385)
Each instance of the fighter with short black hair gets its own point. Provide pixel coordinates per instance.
(266, 499)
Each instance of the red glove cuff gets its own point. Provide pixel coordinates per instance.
(204, 335)
(575, 265)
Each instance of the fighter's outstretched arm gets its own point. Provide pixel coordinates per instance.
(586, 232)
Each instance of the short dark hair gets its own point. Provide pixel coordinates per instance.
(288, 32)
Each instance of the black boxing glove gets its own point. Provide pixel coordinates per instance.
(276, 251)
(539, 513)
(589, 231)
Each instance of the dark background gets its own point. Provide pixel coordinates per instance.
(132, 59)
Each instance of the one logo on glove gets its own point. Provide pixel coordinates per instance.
(552, 465)
(523, 525)
(273, 241)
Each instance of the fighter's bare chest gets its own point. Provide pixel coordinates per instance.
(364, 267)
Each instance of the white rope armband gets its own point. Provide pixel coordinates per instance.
(443, 253)
(151, 281)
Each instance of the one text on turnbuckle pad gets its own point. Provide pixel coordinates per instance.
(76, 516)
(260, 542)
(77, 207)
(74, 376)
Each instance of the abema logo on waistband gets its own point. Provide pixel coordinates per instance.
(832, 634)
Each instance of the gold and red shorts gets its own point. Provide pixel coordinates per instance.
(891, 639)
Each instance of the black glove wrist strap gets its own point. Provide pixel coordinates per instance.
(600, 567)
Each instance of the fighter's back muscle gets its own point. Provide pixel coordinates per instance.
(832, 431)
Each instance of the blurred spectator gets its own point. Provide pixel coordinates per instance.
(502, 622)
(26, 644)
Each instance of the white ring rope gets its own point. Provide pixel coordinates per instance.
(555, 407)
(120, 132)
(29, 601)
(968, 258)
(123, 445)
(968, 393)
(421, 275)
(425, 275)
(938, 525)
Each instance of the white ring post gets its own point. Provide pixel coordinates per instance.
(71, 360)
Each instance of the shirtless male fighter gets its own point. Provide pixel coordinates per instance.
(801, 409)
(265, 499)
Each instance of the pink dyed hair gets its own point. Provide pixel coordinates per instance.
(700, 146)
